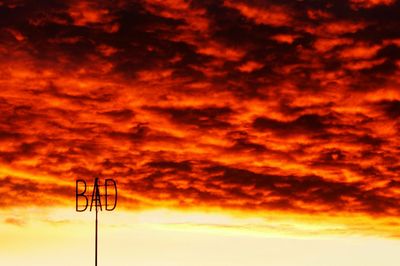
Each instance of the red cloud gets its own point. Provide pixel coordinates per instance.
(370, 3)
(273, 15)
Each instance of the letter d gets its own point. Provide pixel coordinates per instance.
(115, 195)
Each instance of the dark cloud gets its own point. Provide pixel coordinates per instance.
(180, 166)
(120, 115)
(4, 135)
(209, 117)
(391, 108)
(308, 124)
(245, 145)
(22, 192)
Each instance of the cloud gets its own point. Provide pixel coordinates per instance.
(370, 3)
(181, 166)
(14, 221)
(274, 106)
(273, 15)
(123, 115)
(308, 124)
(391, 108)
(199, 117)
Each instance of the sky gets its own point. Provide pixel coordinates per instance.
(240, 132)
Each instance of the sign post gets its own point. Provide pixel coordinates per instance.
(96, 198)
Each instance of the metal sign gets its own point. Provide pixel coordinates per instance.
(98, 199)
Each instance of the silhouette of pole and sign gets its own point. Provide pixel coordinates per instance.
(96, 200)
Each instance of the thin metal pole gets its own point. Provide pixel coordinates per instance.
(95, 258)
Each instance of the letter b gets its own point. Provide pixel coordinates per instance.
(82, 194)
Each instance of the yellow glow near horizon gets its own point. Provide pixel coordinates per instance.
(225, 223)
(166, 237)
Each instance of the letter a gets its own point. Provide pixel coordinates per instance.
(96, 195)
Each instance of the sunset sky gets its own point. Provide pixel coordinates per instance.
(240, 132)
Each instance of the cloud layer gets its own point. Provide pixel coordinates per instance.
(271, 106)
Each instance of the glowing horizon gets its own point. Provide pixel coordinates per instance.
(164, 237)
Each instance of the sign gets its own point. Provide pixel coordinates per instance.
(99, 198)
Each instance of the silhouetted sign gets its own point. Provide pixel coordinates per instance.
(100, 196)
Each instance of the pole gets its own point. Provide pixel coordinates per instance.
(95, 255)
(96, 198)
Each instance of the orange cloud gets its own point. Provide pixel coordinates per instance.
(360, 51)
(85, 13)
(326, 44)
(273, 15)
(284, 38)
(250, 66)
(219, 51)
(336, 28)
(370, 3)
